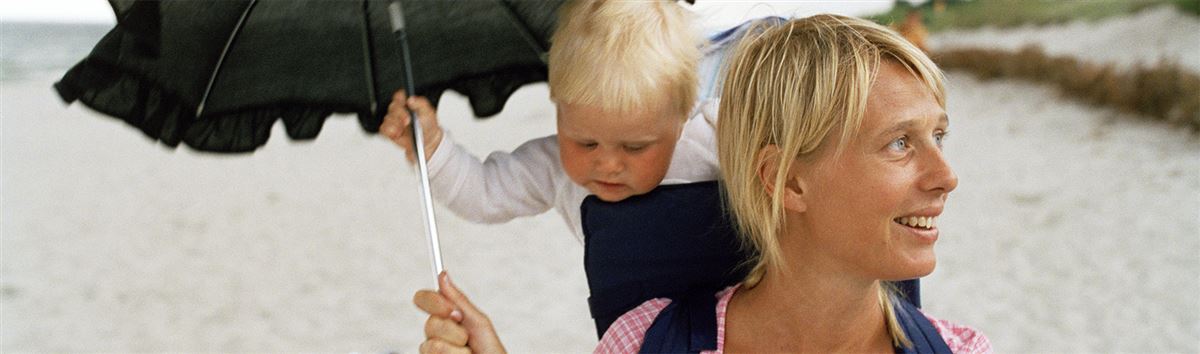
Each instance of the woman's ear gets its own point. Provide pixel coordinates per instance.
(793, 193)
(793, 186)
(768, 165)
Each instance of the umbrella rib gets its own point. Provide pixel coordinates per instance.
(524, 31)
(221, 60)
(366, 47)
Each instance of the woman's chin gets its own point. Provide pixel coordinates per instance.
(912, 266)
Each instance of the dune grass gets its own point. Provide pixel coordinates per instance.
(959, 14)
(1164, 91)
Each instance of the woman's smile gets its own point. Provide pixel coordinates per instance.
(923, 227)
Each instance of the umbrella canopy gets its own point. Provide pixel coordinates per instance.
(216, 75)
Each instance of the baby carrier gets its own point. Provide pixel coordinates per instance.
(689, 325)
(671, 242)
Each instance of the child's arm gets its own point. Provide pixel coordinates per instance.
(503, 187)
(500, 188)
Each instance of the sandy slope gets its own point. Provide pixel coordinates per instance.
(1074, 229)
(1141, 38)
(112, 243)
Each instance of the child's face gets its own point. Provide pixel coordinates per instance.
(616, 156)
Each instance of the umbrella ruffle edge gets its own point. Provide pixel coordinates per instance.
(162, 115)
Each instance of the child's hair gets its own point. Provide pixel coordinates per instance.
(623, 56)
(791, 84)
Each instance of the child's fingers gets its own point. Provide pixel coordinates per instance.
(392, 127)
(396, 121)
(446, 330)
(424, 110)
(420, 104)
(397, 125)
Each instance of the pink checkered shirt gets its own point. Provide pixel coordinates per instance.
(629, 331)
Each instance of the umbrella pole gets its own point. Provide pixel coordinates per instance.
(397, 16)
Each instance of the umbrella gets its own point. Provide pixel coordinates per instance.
(216, 75)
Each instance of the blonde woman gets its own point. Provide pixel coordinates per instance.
(830, 144)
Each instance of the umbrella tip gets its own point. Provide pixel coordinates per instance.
(397, 14)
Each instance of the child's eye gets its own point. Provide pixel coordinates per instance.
(634, 148)
(588, 144)
(900, 144)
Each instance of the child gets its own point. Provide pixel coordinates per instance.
(623, 77)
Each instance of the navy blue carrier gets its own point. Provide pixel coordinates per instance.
(672, 241)
(689, 325)
(675, 240)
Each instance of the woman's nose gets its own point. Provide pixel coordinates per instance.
(938, 176)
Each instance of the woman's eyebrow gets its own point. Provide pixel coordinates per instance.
(907, 124)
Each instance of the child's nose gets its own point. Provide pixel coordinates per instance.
(608, 163)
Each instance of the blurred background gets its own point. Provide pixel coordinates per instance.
(1075, 227)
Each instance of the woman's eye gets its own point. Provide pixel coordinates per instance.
(940, 137)
(900, 144)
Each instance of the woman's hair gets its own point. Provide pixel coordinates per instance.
(624, 56)
(790, 84)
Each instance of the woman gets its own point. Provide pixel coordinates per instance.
(829, 138)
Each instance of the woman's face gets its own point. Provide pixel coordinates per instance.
(873, 209)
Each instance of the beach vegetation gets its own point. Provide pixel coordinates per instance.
(942, 15)
(1164, 91)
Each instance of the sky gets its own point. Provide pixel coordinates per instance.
(714, 14)
(68, 11)
(721, 14)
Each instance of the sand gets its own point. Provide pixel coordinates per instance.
(1074, 228)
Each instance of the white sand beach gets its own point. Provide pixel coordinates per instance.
(1074, 228)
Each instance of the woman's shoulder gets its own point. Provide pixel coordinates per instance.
(961, 338)
(628, 332)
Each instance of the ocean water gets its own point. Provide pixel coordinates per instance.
(30, 50)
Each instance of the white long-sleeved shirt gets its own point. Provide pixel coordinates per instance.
(530, 180)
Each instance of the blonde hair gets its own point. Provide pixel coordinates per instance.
(623, 56)
(790, 84)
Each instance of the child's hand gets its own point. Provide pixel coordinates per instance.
(454, 324)
(396, 124)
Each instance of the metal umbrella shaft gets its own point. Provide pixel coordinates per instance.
(435, 251)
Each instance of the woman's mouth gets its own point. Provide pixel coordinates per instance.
(919, 222)
(923, 227)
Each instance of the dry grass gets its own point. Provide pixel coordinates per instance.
(964, 14)
(1164, 91)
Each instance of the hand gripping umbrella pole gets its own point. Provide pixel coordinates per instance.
(397, 17)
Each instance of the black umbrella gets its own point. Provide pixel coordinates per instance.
(216, 75)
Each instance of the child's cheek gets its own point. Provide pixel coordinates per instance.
(652, 168)
(574, 163)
